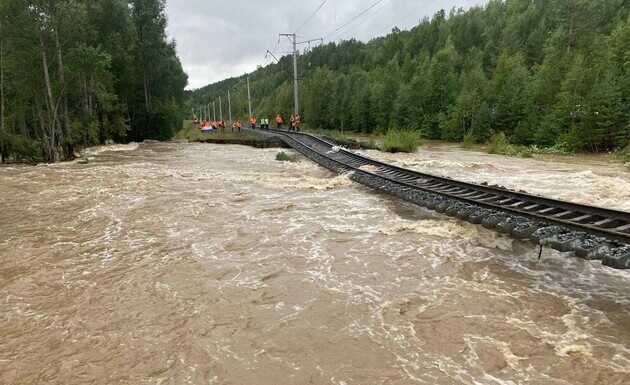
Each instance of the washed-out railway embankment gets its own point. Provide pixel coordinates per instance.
(589, 232)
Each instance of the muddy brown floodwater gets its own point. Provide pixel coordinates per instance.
(206, 264)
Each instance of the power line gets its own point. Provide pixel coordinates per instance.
(338, 35)
(312, 16)
(368, 9)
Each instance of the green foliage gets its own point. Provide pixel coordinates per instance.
(110, 74)
(469, 140)
(401, 141)
(541, 72)
(18, 148)
(499, 144)
(284, 157)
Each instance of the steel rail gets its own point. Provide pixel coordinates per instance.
(610, 224)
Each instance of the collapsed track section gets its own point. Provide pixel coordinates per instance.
(590, 232)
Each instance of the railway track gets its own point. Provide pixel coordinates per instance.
(590, 232)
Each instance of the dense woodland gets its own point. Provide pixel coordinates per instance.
(546, 73)
(80, 72)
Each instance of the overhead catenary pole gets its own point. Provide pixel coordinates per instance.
(249, 98)
(296, 91)
(220, 109)
(214, 112)
(229, 108)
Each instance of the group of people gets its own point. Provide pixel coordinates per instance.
(209, 125)
(295, 122)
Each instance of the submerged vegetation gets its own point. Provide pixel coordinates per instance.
(401, 141)
(550, 74)
(284, 157)
(74, 73)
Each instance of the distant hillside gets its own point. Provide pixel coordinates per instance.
(543, 72)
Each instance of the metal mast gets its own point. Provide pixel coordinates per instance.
(296, 91)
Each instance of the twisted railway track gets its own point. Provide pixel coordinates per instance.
(587, 231)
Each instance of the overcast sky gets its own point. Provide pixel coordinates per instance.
(220, 39)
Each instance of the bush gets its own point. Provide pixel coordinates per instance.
(369, 144)
(499, 144)
(469, 140)
(21, 149)
(401, 141)
(284, 157)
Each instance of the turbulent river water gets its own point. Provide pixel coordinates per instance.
(204, 264)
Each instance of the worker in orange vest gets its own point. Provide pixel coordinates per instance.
(252, 122)
(279, 121)
(298, 122)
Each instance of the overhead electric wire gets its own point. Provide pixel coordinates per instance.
(368, 9)
(312, 16)
(338, 35)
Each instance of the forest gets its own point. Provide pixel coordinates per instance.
(75, 73)
(539, 72)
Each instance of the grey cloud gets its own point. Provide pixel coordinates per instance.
(219, 39)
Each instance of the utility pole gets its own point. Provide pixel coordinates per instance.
(220, 109)
(214, 112)
(229, 108)
(249, 98)
(296, 92)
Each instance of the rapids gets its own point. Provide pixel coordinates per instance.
(204, 264)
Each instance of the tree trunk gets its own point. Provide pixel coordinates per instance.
(2, 145)
(1, 81)
(49, 100)
(571, 33)
(101, 125)
(86, 99)
(39, 116)
(62, 81)
(147, 100)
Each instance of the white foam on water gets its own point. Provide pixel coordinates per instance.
(93, 151)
